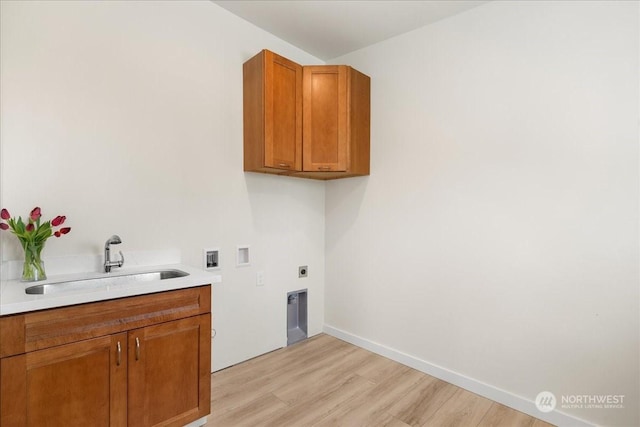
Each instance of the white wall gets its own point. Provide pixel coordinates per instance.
(127, 118)
(497, 236)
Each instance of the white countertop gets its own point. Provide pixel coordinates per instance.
(13, 298)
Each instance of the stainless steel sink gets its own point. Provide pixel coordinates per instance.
(104, 282)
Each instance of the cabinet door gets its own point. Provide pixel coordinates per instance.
(283, 113)
(272, 114)
(324, 144)
(169, 372)
(80, 384)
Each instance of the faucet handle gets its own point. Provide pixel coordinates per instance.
(121, 260)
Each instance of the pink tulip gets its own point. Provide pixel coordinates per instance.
(4, 226)
(4, 214)
(30, 227)
(59, 220)
(63, 230)
(35, 214)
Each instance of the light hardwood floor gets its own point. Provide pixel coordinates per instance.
(324, 381)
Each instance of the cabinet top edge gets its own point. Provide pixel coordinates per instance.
(270, 56)
(14, 299)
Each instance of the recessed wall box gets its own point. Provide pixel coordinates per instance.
(296, 316)
(211, 259)
(303, 270)
(242, 258)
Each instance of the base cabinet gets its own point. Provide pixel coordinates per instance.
(155, 375)
(167, 382)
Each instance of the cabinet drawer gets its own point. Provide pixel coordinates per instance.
(47, 328)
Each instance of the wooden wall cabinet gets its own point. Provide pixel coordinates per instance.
(272, 98)
(138, 361)
(333, 117)
(336, 121)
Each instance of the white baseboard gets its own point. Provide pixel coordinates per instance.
(197, 423)
(490, 392)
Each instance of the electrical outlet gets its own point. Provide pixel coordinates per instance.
(260, 278)
(303, 271)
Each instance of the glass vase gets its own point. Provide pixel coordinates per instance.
(33, 268)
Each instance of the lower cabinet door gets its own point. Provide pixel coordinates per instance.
(169, 372)
(79, 384)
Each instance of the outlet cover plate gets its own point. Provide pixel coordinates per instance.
(303, 271)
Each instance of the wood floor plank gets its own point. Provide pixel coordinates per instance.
(230, 398)
(278, 369)
(313, 411)
(324, 382)
(305, 372)
(324, 378)
(252, 413)
(370, 407)
(380, 369)
(502, 416)
(422, 401)
(390, 421)
(462, 409)
(280, 362)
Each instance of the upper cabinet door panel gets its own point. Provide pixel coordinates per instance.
(283, 113)
(272, 96)
(325, 118)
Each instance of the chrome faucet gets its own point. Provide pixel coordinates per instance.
(113, 240)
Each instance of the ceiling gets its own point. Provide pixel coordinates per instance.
(331, 28)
